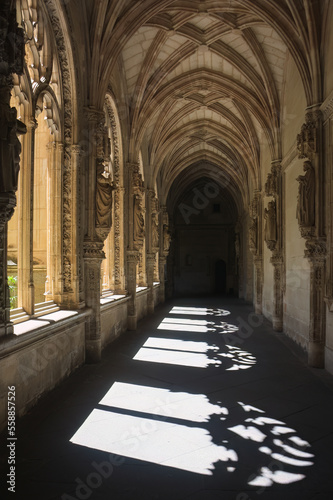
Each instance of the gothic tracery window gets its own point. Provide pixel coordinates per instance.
(35, 227)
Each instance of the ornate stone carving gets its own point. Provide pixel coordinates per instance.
(93, 250)
(7, 205)
(254, 209)
(132, 256)
(10, 146)
(154, 219)
(271, 186)
(258, 263)
(155, 230)
(166, 239)
(306, 200)
(118, 193)
(139, 222)
(316, 250)
(270, 232)
(104, 188)
(279, 286)
(253, 235)
(68, 201)
(307, 139)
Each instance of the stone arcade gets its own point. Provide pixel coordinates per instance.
(151, 149)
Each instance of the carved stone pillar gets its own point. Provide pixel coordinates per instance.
(93, 256)
(316, 254)
(25, 267)
(239, 264)
(278, 264)
(258, 265)
(311, 218)
(99, 206)
(255, 247)
(162, 275)
(78, 285)
(165, 243)
(132, 262)
(157, 269)
(274, 239)
(150, 263)
(119, 277)
(11, 57)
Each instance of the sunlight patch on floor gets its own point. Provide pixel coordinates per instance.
(157, 401)
(164, 443)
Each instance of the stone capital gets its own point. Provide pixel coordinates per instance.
(151, 258)
(7, 205)
(93, 115)
(316, 251)
(133, 256)
(93, 250)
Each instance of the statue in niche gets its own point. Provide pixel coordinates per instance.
(306, 196)
(104, 188)
(270, 232)
(139, 222)
(10, 146)
(166, 238)
(271, 184)
(155, 232)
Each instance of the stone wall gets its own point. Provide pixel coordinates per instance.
(113, 320)
(39, 360)
(141, 304)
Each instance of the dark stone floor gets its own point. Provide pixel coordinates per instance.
(202, 412)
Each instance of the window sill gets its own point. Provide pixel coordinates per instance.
(35, 330)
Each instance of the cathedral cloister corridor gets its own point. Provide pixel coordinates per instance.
(166, 249)
(204, 401)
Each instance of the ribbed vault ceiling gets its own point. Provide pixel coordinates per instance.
(204, 79)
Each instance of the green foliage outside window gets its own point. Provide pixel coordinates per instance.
(12, 283)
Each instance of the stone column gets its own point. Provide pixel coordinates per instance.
(25, 267)
(11, 57)
(93, 256)
(161, 264)
(311, 220)
(119, 277)
(258, 265)
(99, 222)
(150, 262)
(255, 246)
(278, 264)
(316, 254)
(239, 264)
(274, 239)
(132, 262)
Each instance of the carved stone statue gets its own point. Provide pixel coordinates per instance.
(306, 196)
(154, 229)
(166, 238)
(10, 146)
(139, 222)
(104, 188)
(270, 233)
